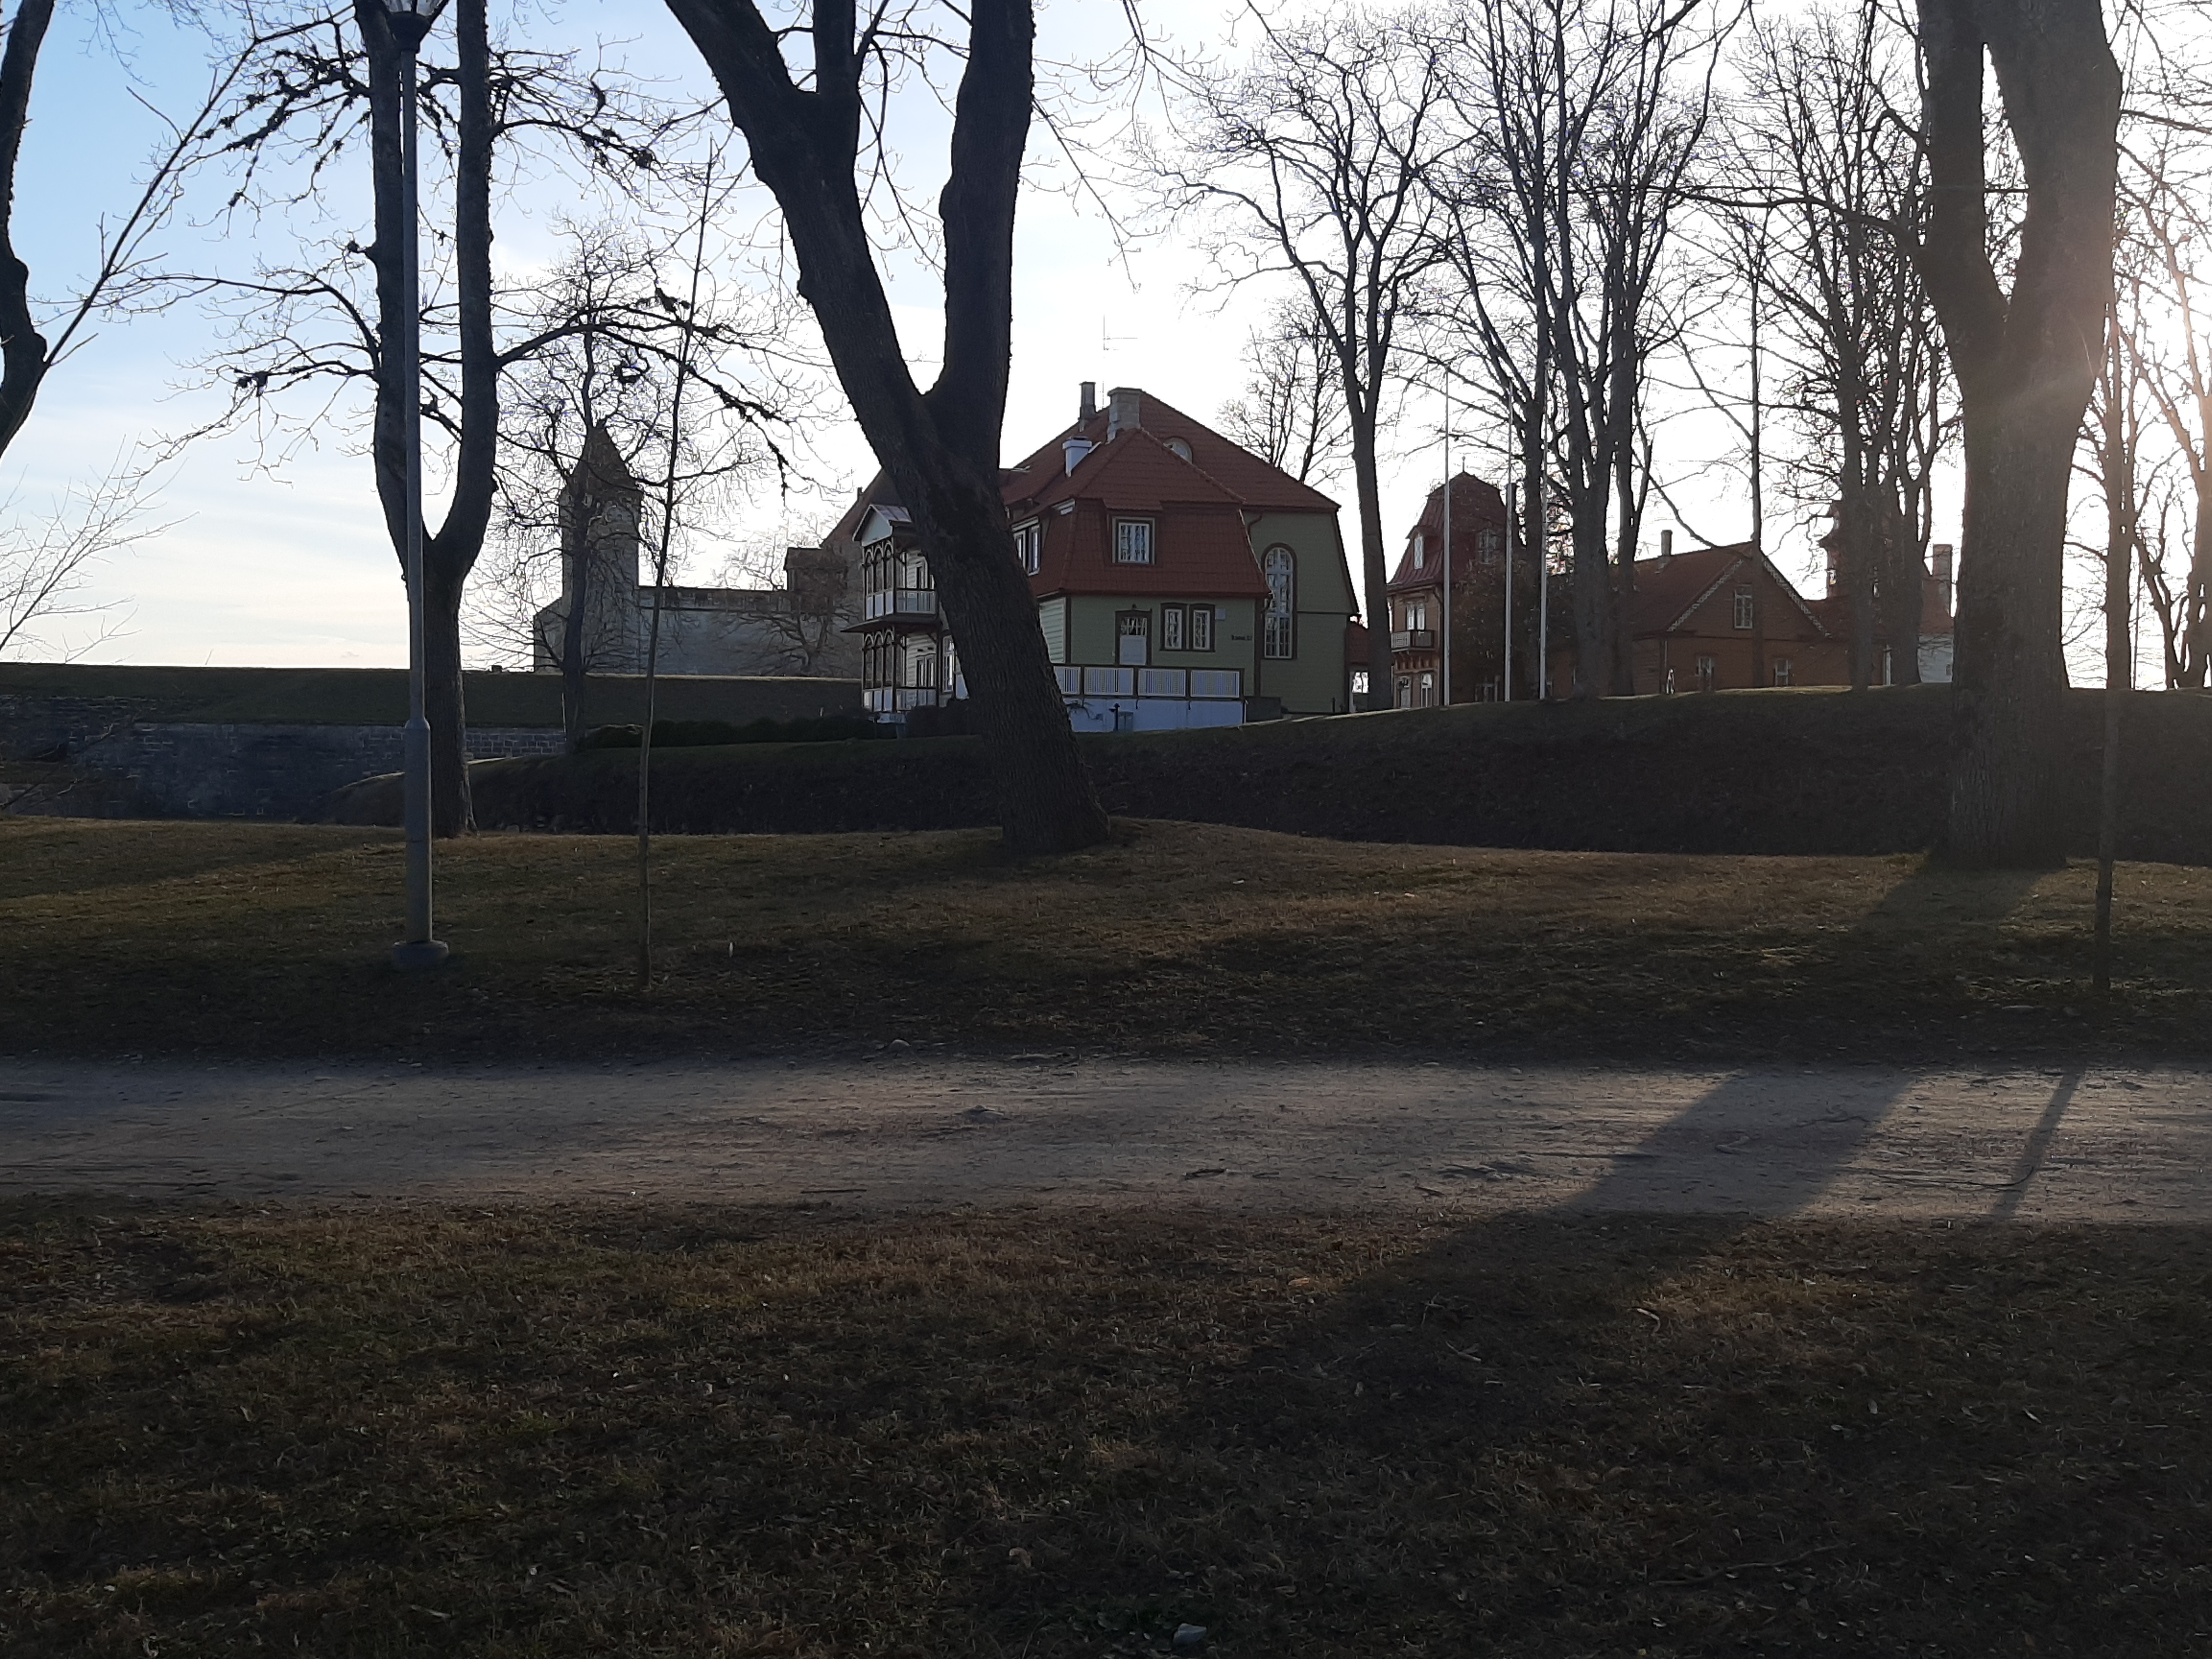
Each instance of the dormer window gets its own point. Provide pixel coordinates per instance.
(1420, 550)
(1133, 541)
(1180, 447)
(1028, 546)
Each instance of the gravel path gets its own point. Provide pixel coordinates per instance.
(897, 1131)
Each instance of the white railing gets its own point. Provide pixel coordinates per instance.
(1217, 682)
(901, 602)
(1177, 684)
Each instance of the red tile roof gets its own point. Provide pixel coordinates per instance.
(1201, 550)
(1476, 505)
(1668, 589)
(1251, 480)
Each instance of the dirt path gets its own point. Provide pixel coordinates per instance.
(2084, 1143)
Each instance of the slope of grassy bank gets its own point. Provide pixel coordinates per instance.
(1175, 939)
(714, 1433)
(1772, 771)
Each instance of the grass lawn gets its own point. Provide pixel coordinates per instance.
(641, 1432)
(1177, 938)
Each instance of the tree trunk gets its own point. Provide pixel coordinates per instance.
(1374, 564)
(452, 810)
(22, 348)
(2197, 623)
(450, 553)
(1899, 572)
(2011, 668)
(574, 647)
(2026, 362)
(940, 447)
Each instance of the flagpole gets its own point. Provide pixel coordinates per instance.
(1505, 685)
(1444, 634)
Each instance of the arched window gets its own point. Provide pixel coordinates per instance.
(1279, 638)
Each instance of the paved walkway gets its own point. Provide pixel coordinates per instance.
(895, 1132)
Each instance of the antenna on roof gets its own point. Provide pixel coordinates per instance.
(1106, 342)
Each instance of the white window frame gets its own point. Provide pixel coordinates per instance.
(1782, 671)
(1201, 627)
(1746, 608)
(1028, 546)
(1279, 615)
(1173, 625)
(1133, 541)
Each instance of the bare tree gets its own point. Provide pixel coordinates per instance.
(305, 98)
(2026, 360)
(1291, 414)
(1592, 124)
(47, 560)
(1841, 178)
(2165, 343)
(1318, 163)
(587, 405)
(940, 447)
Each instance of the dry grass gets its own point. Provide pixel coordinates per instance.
(525, 1433)
(1177, 938)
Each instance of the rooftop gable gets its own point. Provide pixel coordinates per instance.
(1253, 481)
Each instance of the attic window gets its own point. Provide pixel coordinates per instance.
(1420, 550)
(1744, 608)
(1180, 447)
(1028, 543)
(1133, 541)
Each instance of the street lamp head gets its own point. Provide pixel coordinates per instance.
(411, 19)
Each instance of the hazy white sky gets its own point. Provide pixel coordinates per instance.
(286, 563)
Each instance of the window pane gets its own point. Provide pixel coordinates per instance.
(1172, 617)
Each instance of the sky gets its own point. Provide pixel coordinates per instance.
(279, 557)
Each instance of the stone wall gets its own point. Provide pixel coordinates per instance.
(217, 743)
(182, 770)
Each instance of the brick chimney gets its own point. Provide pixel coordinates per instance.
(1124, 411)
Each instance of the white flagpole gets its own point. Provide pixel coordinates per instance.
(1444, 634)
(1506, 683)
(1543, 603)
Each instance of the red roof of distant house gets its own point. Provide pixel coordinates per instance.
(1250, 480)
(1476, 505)
(1201, 547)
(1668, 588)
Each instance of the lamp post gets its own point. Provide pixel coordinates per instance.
(411, 20)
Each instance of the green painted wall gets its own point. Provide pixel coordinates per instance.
(1090, 633)
(1313, 681)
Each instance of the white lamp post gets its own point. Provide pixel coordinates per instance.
(411, 20)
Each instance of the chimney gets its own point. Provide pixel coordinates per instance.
(1090, 400)
(1124, 411)
(1076, 449)
(1666, 544)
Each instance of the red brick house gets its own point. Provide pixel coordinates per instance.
(1417, 590)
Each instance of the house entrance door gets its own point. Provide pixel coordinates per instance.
(1133, 630)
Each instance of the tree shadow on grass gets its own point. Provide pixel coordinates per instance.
(1596, 1429)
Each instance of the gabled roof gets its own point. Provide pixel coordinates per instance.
(1136, 473)
(1475, 502)
(1669, 589)
(1259, 486)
